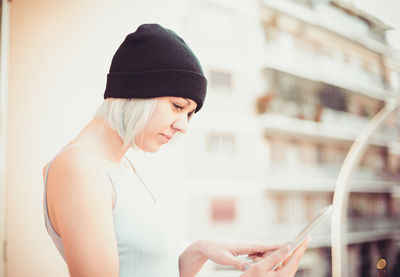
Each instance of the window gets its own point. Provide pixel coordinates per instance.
(278, 149)
(221, 143)
(333, 98)
(223, 209)
(395, 80)
(281, 205)
(221, 81)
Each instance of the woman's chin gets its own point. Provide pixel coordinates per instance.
(150, 148)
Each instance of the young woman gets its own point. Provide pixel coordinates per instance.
(101, 216)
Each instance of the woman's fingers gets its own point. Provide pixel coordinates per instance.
(269, 262)
(225, 252)
(256, 258)
(239, 263)
(247, 248)
(226, 258)
(262, 267)
(292, 263)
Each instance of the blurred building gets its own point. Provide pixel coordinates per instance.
(291, 85)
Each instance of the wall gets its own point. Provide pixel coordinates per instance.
(60, 53)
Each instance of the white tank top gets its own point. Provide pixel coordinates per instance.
(141, 237)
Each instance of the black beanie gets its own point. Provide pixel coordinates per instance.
(155, 62)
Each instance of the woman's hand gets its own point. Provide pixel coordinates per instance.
(263, 267)
(225, 252)
(221, 251)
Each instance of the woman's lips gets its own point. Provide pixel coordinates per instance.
(165, 138)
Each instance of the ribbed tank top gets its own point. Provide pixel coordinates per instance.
(141, 237)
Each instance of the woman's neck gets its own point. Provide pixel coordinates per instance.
(99, 138)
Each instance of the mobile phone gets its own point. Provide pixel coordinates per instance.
(306, 232)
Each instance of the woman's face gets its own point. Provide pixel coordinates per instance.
(170, 116)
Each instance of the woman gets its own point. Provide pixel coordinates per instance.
(100, 215)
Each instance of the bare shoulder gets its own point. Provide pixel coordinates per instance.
(77, 180)
(75, 164)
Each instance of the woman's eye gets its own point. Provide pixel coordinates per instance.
(178, 107)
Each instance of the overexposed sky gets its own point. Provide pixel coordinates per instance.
(386, 10)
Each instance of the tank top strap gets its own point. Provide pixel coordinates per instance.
(140, 179)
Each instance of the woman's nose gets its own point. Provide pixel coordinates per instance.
(181, 124)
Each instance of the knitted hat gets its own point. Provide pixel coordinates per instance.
(155, 62)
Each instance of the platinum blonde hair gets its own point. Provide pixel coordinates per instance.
(127, 116)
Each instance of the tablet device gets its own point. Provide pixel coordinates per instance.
(306, 232)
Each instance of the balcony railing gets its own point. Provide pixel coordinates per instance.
(329, 70)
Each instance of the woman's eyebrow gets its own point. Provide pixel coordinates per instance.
(188, 104)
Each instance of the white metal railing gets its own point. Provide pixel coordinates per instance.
(341, 194)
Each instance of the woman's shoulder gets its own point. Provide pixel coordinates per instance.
(75, 160)
(75, 166)
(77, 177)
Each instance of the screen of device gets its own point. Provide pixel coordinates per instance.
(306, 232)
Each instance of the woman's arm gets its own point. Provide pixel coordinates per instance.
(191, 260)
(79, 198)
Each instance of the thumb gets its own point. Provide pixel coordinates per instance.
(275, 257)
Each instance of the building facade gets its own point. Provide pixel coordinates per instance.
(290, 87)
